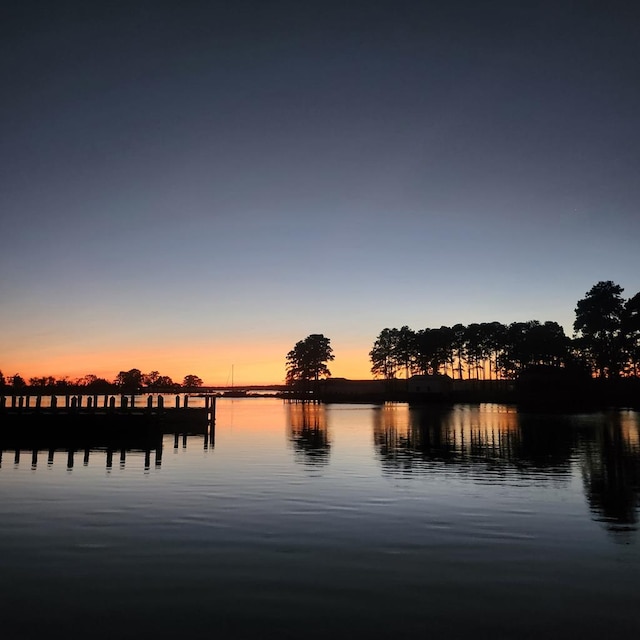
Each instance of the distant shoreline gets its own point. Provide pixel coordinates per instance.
(590, 394)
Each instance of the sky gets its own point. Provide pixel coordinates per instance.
(192, 186)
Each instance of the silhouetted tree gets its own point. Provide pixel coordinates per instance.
(547, 344)
(93, 383)
(62, 383)
(2, 380)
(425, 358)
(383, 354)
(458, 345)
(307, 361)
(17, 381)
(445, 347)
(42, 381)
(493, 335)
(129, 381)
(153, 380)
(192, 381)
(480, 350)
(631, 332)
(150, 379)
(432, 350)
(475, 350)
(532, 343)
(165, 382)
(598, 326)
(393, 350)
(405, 349)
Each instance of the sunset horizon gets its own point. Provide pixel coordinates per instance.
(417, 222)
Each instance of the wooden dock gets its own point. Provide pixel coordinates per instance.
(113, 423)
(93, 413)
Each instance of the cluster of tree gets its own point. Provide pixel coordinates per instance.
(488, 350)
(606, 342)
(608, 330)
(131, 381)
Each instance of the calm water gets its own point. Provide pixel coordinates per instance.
(332, 522)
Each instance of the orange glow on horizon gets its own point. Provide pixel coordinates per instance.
(253, 363)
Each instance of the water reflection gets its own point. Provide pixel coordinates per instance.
(448, 521)
(105, 449)
(611, 470)
(72, 455)
(421, 439)
(308, 432)
(483, 444)
(494, 443)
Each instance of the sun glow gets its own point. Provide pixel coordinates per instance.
(252, 363)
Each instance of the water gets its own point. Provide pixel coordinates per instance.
(339, 521)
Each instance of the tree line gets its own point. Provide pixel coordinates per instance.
(606, 343)
(131, 381)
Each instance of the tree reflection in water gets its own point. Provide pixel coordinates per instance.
(308, 432)
(496, 443)
(421, 439)
(611, 470)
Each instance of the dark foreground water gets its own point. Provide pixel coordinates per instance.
(332, 522)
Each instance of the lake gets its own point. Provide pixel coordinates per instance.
(332, 521)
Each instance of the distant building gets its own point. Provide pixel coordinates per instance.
(429, 385)
(416, 388)
(342, 388)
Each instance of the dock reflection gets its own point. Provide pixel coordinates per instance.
(72, 446)
(72, 455)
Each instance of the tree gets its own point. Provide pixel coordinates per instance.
(631, 333)
(475, 349)
(432, 350)
(532, 343)
(547, 344)
(598, 327)
(492, 336)
(458, 346)
(129, 381)
(17, 381)
(383, 354)
(62, 383)
(393, 350)
(405, 349)
(2, 380)
(191, 381)
(93, 383)
(151, 379)
(308, 359)
(42, 381)
(165, 382)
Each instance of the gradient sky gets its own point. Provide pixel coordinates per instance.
(187, 186)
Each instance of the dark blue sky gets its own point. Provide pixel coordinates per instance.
(213, 181)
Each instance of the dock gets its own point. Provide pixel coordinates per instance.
(82, 423)
(85, 420)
